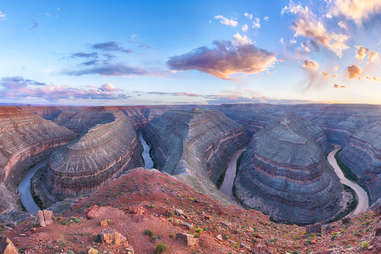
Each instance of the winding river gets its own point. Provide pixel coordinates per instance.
(25, 191)
(148, 162)
(362, 196)
(227, 185)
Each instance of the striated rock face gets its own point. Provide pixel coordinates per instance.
(362, 155)
(284, 173)
(25, 139)
(104, 151)
(199, 143)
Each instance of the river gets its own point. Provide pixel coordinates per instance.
(148, 162)
(362, 196)
(227, 185)
(25, 191)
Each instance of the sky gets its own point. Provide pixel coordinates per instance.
(94, 52)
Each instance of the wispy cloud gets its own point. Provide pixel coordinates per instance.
(226, 21)
(20, 88)
(85, 55)
(2, 15)
(110, 70)
(224, 59)
(111, 46)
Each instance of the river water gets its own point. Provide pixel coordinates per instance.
(231, 171)
(362, 196)
(148, 162)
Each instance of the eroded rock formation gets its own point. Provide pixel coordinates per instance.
(25, 139)
(105, 151)
(362, 155)
(197, 142)
(284, 173)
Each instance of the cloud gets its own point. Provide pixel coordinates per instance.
(20, 88)
(110, 70)
(256, 23)
(373, 57)
(18, 82)
(310, 65)
(226, 21)
(85, 55)
(240, 40)
(224, 59)
(356, 10)
(339, 86)
(249, 15)
(307, 25)
(353, 71)
(361, 52)
(2, 15)
(244, 28)
(110, 46)
(266, 18)
(342, 25)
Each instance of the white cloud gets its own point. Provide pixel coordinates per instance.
(249, 15)
(342, 25)
(356, 10)
(310, 65)
(240, 40)
(266, 18)
(256, 23)
(226, 21)
(2, 15)
(245, 27)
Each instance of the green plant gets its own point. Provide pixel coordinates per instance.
(364, 245)
(198, 230)
(160, 248)
(148, 232)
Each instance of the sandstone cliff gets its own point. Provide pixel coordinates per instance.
(105, 151)
(199, 143)
(25, 139)
(284, 173)
(362, 155)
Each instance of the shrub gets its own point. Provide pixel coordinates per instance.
(148, 232)
(364, 245)
(160, 248)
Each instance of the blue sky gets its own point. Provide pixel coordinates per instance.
(178, 52)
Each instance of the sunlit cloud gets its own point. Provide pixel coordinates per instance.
(249, 15)
(256, 23)
(240, 40)
(224, 59)
(356, 10)
(353, 71)
(244, 28)
(226, 21)
(310, 65)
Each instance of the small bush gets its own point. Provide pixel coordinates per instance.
(148, 232)
(364, 245)
(160, 248)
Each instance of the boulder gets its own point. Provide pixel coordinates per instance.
(188, 239)
(45, 217)
(110, 236)
(92, 251)
(6, 246)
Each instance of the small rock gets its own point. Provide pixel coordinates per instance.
(6, 246)
(243, 245)
(45, 217)
(219, 237)
(187, 239)
(179, 212)
(346, 220)
(314, 228)
(110, 236)
(130, 251)
(186, 225)
(225, 223)
(92, 251)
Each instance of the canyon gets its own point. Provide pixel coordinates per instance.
(282, 160)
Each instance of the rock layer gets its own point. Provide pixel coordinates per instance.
(362, 155)
(198, 142)
(284, 173)
(106, 150)
(25, 139)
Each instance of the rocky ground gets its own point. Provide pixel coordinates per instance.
(145, 209)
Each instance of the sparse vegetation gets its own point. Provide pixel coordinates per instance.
(160, 248)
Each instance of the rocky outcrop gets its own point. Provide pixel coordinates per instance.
(284, 173)
(25, 139)
(105, 151)
(6, 246)
(362, 155)
(199, 143)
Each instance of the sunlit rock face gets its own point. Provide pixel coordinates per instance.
(362, 155)
(284, 173)
(105, 151)
(197, 144)
(25, 139)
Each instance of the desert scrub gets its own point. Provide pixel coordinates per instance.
(160, 248)
(148, 232)
(364, 245)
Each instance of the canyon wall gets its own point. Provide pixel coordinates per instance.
(103, 152)
(197, 144)
(285, 174)
(25, 139)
